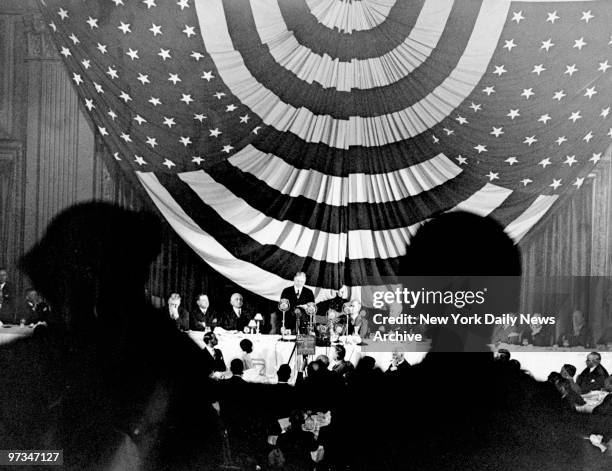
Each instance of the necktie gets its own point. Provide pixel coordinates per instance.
(238, 311)
(298, 294)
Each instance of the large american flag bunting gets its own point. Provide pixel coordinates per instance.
(316, 135)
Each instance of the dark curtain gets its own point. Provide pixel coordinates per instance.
(566, 261)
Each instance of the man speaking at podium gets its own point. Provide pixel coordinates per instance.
(298, 296)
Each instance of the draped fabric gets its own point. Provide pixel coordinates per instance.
(317, 135)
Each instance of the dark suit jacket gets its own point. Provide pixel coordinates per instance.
(343, 368)
(544, 338)
(402, 369)
(7, 311)
(592, 381)
(213, 364)
(283, 400)
(296, 446)
(6, 293)
(182, 323)
(362, 326)
(33, 314)
(306, 296)
(583, 339)
(605, 408)
(231, 321)
(197, 317)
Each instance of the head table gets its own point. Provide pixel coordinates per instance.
(273, 352)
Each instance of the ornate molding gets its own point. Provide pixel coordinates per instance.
(39, 43)
(10, 151)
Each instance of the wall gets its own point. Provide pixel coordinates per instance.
(46, 144)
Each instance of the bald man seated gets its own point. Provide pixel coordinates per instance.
(237, 317)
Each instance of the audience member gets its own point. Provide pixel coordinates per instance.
(593, 376)
(247, 348)
(177, 313)
(236, 368)
(568, 372)
(365, 377)
(569, 396)
(95, 381)
(242, 416)
(341, 366)
(399, 366)
(605, 408)
(600, 423)
(321, 389)
(503, 355)
(283, 374)
(213, 357)
(496, 411)
(283, 394)
(324, 361)
(297, 444)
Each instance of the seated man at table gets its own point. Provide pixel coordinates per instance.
(358, 320)
(34, 309)
(6, 298)
(593, 376)
(238, 317)
(537, 334)
(213, 357)
(506, 333)
(178, 314)
(580, 333)
(202, 315)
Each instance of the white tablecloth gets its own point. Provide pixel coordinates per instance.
(538, 361)
(14, 332)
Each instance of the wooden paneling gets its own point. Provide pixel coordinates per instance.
(59, 147)
(53, 143)
(10, 155)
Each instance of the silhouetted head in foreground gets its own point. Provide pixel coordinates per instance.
(101, 376)
(463, 252)
(92, 260)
